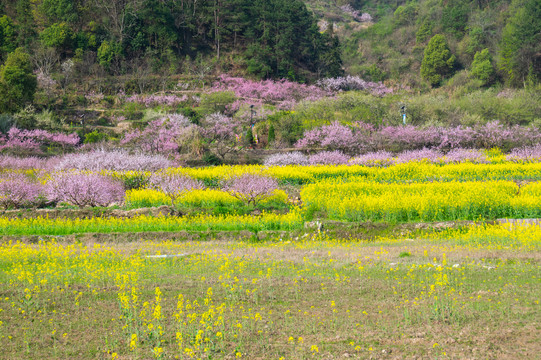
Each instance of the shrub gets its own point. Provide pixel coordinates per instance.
(26, 118)
(405, 14)
(211, 159)
(454, 17)
(251, 188)
(108, 53)
(174, 185)
(424, 32)
(249, 140)
(133, 181)
(58, 35)
(94, 137)
(216, 101)
(6, 122)
(84, 189)
(17, 191)
(288, 130)
(272, 135)
(17, 82)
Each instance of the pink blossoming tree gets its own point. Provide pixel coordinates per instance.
(84, 189)
(251, 188)
(174, 185)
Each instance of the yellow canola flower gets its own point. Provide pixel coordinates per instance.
(518, 236)
(195, 198)
(361, 200)
(498, 169)
(200, 222)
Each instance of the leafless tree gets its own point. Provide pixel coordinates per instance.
(45, 59)
(119, 15)
(141, 72)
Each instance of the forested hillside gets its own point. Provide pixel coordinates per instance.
(271, 38)
(496, 41)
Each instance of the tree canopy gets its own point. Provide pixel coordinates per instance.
(275, 38)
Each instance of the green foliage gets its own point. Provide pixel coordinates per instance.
(94, 137)
(372, 73)
(6, 122)
(249, 137)
(482, 67)
(289, 129)
(216, 101)
(7, 35)
(60, 10)
(17, 82)
(58, 35)
(49, 120)
(455, 17)
(476, 40)
(271, 136)
(438, 62)
(25, 21)
(108, 52)
(424, 32)
(26, 118)
(194, 116)
(134, 180)
(274, 38)
(283, 41)
(330, 60)
(405, 14)
(521, 42)
(212, 159)
(257, 57)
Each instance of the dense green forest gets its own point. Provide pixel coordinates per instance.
(276, 38)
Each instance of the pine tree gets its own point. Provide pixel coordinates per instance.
(438, 61)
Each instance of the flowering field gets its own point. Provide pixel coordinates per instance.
(433, 201)
(259, 198)
(472, 292)
(389, 288)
